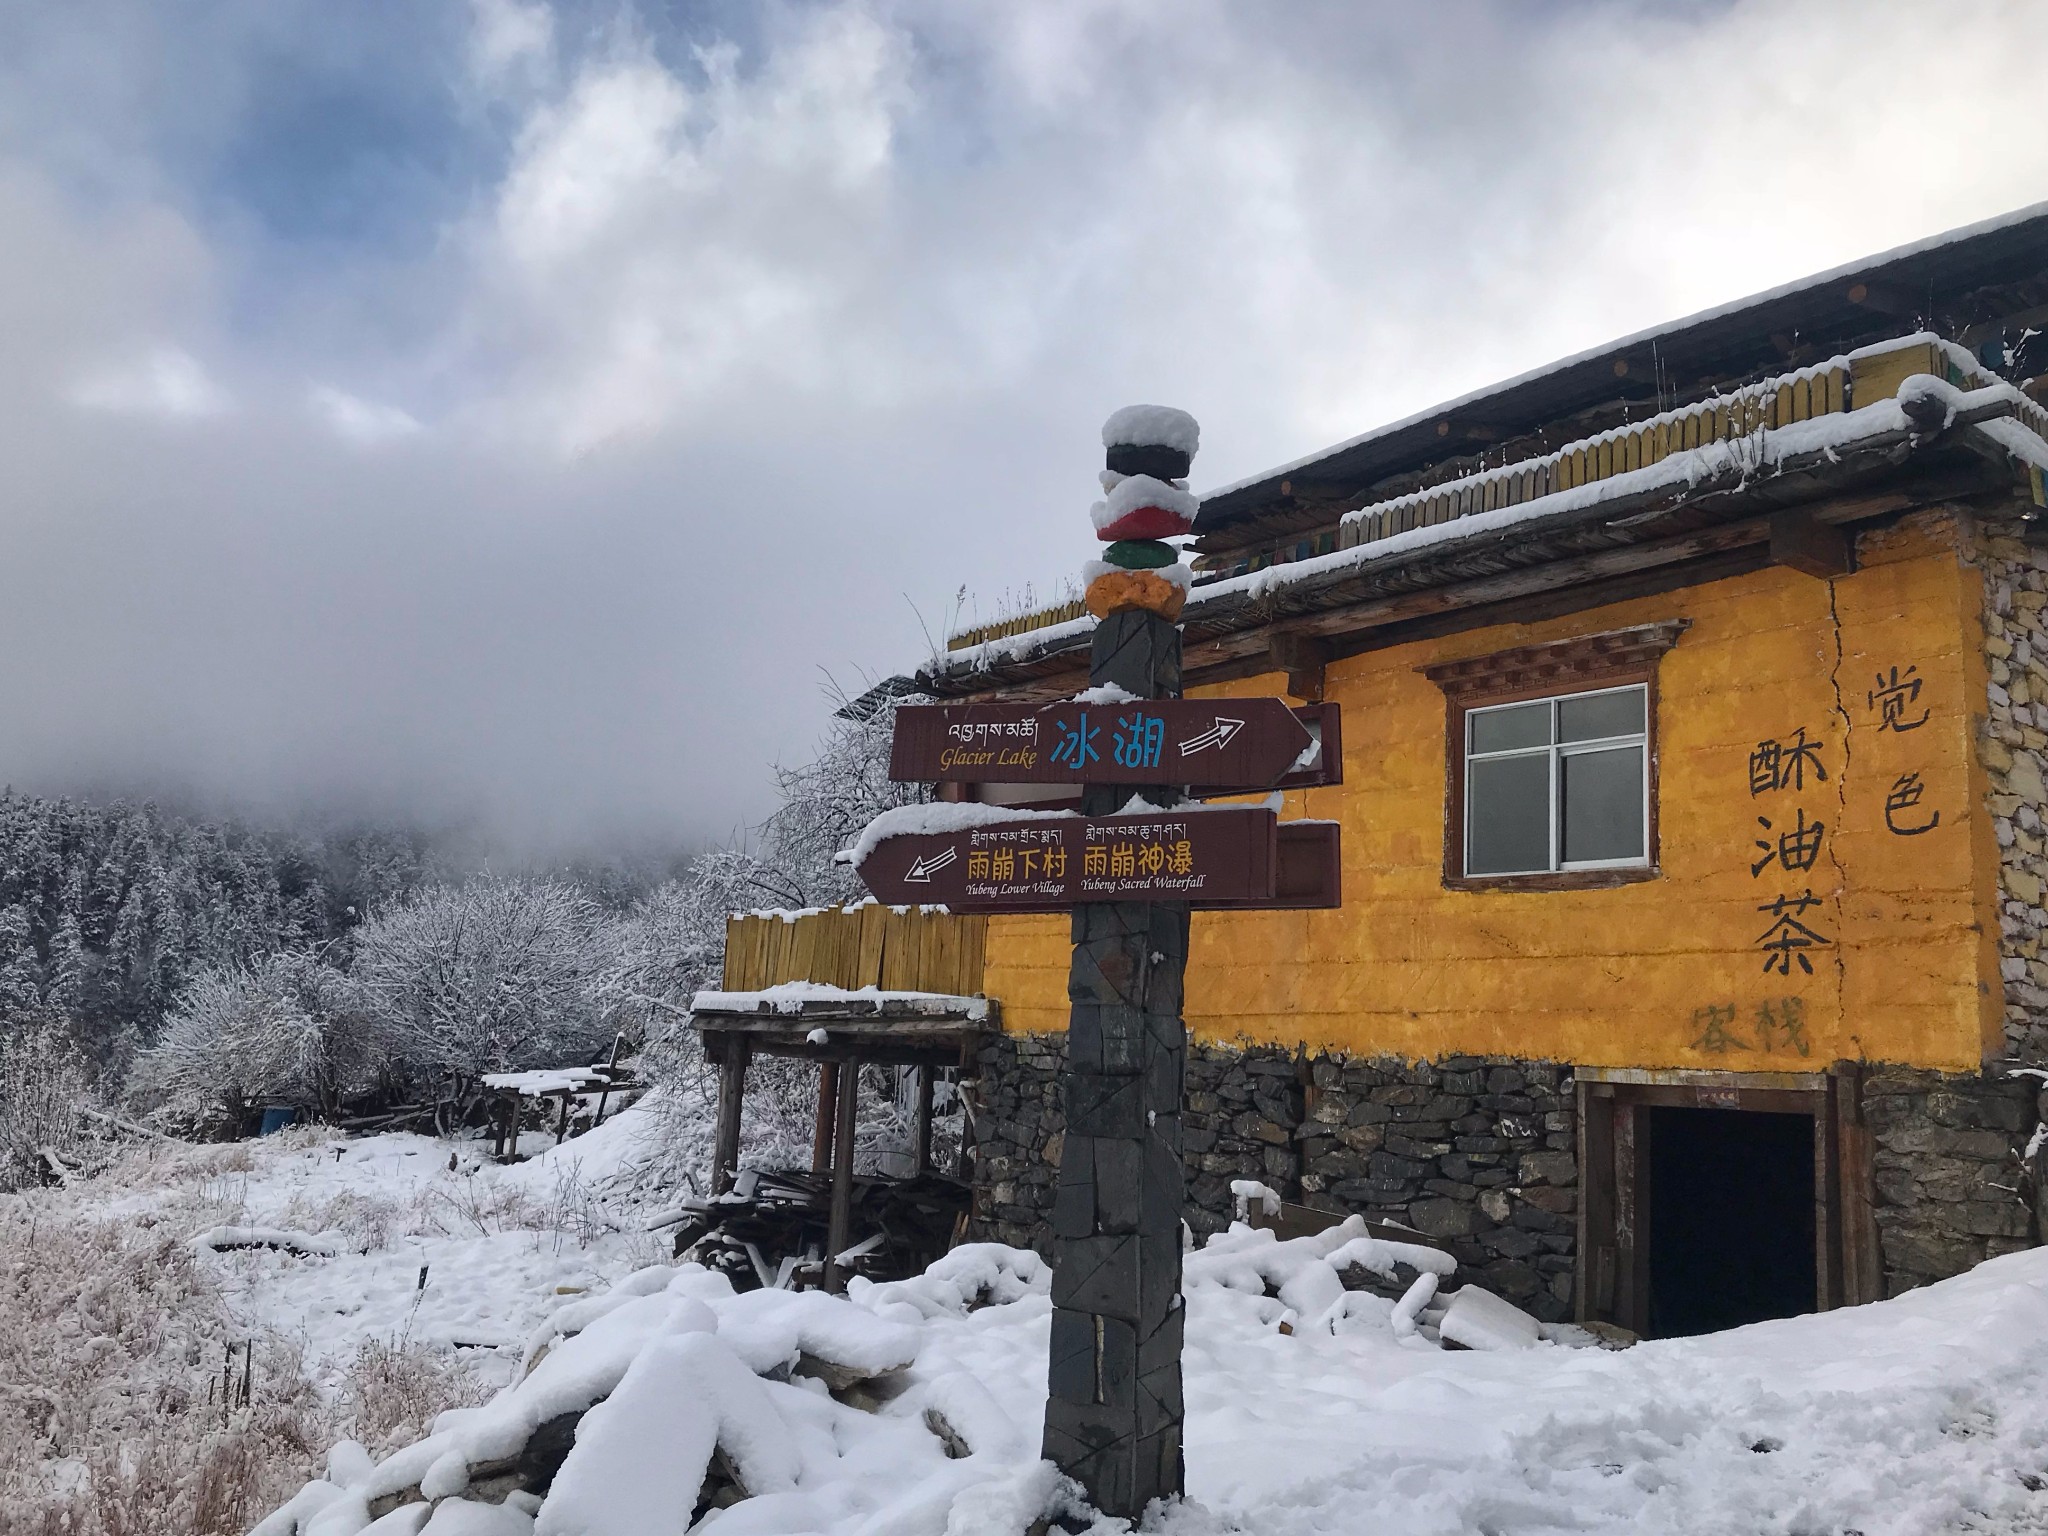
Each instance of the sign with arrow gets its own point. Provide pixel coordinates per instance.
(1222, 857)
(1207, 744)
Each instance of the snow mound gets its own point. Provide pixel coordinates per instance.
(673, 1400)
(641, 1455)
(226, 1239)
(1147, 426)
(1481, 1320)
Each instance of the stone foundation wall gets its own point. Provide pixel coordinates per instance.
(2014, 749)
(1481, 1153)
(1476, 1152)
(1947, 1156)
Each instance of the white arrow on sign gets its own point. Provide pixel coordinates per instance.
(1217, 735)
(921, 870)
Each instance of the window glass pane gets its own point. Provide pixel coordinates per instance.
(1592, 716)
(1603, 805)
(1519, 725)
(1507, 820)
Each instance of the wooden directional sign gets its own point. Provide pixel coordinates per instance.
(1053, 863)
(1242, 744)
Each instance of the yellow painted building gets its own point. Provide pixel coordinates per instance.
(1674, 969)
(1692, 813)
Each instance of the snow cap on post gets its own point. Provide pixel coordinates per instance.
(1151, 440)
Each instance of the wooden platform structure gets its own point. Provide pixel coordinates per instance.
(843, 1030)
(510, 1094)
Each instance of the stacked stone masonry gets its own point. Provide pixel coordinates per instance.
(1951, 1189)
(1478, 1153)
(2014, 749)
(1481, 1153)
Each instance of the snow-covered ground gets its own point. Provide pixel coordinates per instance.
(468, 1258)
(1923, 1414)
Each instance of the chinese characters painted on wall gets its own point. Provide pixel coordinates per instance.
(1894, 695)
(1775, 1024)
(1896, 701)
(1794, 846)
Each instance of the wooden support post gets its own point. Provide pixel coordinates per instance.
(1114, 1405)
(921, 1132)
(1631, 1216)
(1819, 549)
(732, 1087)
(1827, 1205)
(839, 1232)
(1862, 1256)
(821, 1133)
(562, 1120)
(611, 1066)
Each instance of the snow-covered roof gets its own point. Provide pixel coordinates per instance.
(1815, 304)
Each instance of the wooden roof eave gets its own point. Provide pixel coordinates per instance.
(1612, 537)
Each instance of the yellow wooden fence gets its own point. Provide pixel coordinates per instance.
(1059, 613)
(914, 949)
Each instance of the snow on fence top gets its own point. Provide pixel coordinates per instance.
(794, 996)
(1820, 389)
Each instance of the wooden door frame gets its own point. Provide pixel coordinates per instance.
(1611, 1280)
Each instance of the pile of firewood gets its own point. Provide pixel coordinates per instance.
(771, 1229)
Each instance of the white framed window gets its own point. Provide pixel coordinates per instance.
(1559, 784)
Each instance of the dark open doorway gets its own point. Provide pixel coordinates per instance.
(1731, 1218)
(1708, 1200)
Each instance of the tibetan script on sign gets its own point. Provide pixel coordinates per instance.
(1207, 743)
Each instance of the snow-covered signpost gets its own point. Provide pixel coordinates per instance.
(1130, 865)
(1114, 1410)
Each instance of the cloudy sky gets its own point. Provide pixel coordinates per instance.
(516, 410)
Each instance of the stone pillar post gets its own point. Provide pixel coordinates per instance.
(1113, 1417)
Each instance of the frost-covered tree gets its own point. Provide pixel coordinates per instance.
(64, 971)
(21, 996)
(43, 1084)
(246, 1032)
(663, 950)
(825, 804)
(489, 975)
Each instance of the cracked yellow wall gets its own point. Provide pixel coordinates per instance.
(1669, 972)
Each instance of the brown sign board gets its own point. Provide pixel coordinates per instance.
(1242, 744)
(1306, 870)
(1325, 725)
(1051, 864)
